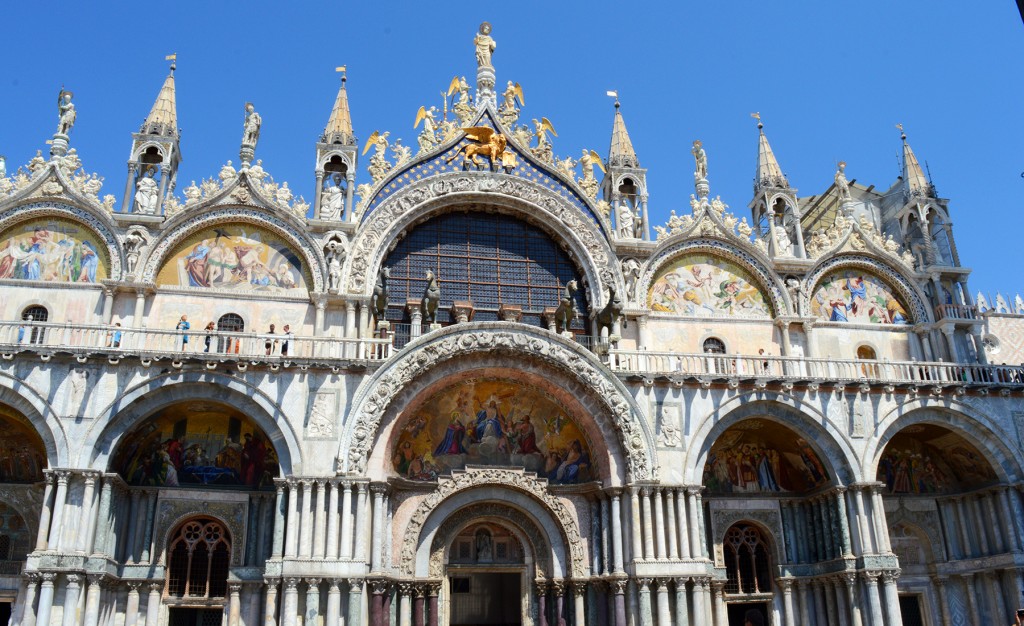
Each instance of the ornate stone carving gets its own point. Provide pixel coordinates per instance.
(452, 343)
(723, 519)
(170, 512)
(529, 484)
(394, 213)
(445, 533)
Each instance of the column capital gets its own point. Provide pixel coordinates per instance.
(850, 578)
(234, 588)
(48, 577)
(155, 587)
(618, 586)
(662, 584)
(870, 576)
(334, 585)
(939, 581)
(786, 584)
(558, 587)
(718, 587)
(379, 586)
(379, 489)
(541, 586)
(291, 584)
(62, 476)
(433, 588)
(313, 582)
(95, 579)
(579, 587)
(405, 587)
(133, 585)
(355, 585)
(73, 579)
(890, 576)
(419, 590)
(644, 584)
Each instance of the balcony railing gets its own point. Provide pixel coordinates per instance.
(956, 312)
(113, 340)
(731, 366)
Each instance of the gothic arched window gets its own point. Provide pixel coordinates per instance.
(34, 314)
(198, 557)
(747, 563)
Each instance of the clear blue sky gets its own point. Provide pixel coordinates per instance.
(830, 80)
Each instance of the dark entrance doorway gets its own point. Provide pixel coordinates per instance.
(491, 599)
(910, 609)
(5, 612)
(194, 617)
(738, 612)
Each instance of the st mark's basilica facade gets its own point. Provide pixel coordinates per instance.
(471, 383)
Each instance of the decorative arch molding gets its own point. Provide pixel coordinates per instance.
(378, 392)
(455, 190)
(637, 180)
(768, 521)
(345, 157)
(146, 145)
(831, 443)
(173, 513)
(139, 402)
(93, 220)
(520, 523)
(37, 410)
(903, 284)
(968, 422)
(516, 488)
(769, 281)
(181, 228)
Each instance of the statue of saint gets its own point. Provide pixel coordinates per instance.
(626, 224)
(702, 160)
(65, 112)
(484, 45)
(332, 200)
(842, 186)
(147, 194)
(253, 121)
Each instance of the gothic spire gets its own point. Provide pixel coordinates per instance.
(769, 174)
(914, 181)
(339, 126)
(621, 151)
(163, 117)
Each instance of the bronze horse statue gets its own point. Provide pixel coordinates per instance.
(566, 312)
(379, 299)
(611, 312)
(431, 298)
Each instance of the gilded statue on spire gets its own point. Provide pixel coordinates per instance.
(484, 45)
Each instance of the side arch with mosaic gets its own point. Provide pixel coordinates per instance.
(858, 289)
(54, 244)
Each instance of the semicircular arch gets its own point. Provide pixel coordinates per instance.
(288, 230)
(975, 426)
(527, 200)
(521, 524)
(613, 408)
(511, 488)
(87, 218)
(143, 400)
(769, 283)
(828, 442)
(888, 274)
(34, 408)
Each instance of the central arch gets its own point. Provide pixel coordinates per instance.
(466, 347)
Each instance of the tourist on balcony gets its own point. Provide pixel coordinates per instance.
(114, 336)
(183, 326)
(288, 336)
(270, 343)
(209, 336)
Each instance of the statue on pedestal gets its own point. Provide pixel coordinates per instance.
(701, 157)
(147, 193)
(332, 201)
(65, 112)
(842, 185)
(484, 45)
(253, 122)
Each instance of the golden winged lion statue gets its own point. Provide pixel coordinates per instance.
(488, 143)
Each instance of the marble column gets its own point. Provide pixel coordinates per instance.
(874, 601)
(355, 601)
(147, 529)
(670, 528)
(360, 522)
(47, 511)
(605, 522)
(432, 591)
(598, 554)
(721, 614)
(404, 604)
(378, 526)
(681, 524)
(92, 600)
(867, 545)
(980, 524)
(270, 603)
(658, 503)
(558, 590)
(972, 599)
(45, 598)
(786, 585)
(346, 520)
(634, 524)
(991, 585)
(378, 588)
(291, 546)
(849, 580)
(579, 591)
(694, 519)
(646, 618)
(802, 588)
(290, 603)
(333, 597)
(616, 531)
(88, 513)
(305, 527)
(701, 601)
(24, 611)
(879, 516)
(682, 606)
(1010, 530)
(319, 520)
(664, 614)
(153, 604)
(131, 610)
(234, 604)
(820, 608)
(98, 544)
(646, 504)
(940, 587)
(842, 608)
(831, 609)
(418, 608)
(71, 600)
(541, 592)
(59, 501)
(844, 523)
(617, 588)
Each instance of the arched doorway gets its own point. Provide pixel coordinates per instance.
(198, 561)
(749, 572)
(487, 574)
(940, 486)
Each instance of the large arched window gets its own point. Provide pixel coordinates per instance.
(483, 258)
(35, 334)
(198, 558)
(747, 563)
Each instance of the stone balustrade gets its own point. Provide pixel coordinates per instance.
(764, 367)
